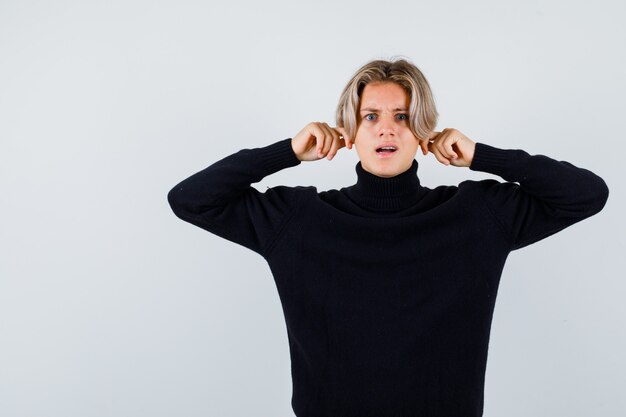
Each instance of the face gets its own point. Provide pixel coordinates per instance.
(383, 120)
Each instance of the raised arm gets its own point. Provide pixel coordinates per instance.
(221, 200)
(551, 195)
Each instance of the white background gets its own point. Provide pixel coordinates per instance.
(112, 306)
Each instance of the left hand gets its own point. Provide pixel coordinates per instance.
(450, 147)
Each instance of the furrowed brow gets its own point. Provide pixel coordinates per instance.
(377, 110)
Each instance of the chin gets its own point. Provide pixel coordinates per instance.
(381, 170)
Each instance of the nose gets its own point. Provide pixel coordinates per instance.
(387, 125)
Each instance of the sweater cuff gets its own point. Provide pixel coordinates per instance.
(278, 155)
(494, 160)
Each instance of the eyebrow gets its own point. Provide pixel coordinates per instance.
(375, 110)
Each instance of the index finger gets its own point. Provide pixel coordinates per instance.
(433, 134)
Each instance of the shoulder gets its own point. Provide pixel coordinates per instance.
(296, 190)
(290, 193)
(489, 189)
(484, 185)
(329, 193)
(478, 183)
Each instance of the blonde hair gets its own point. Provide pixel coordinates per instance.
(422, 111)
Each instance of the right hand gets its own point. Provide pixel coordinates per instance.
(318, 140)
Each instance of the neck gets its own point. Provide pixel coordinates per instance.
(382, 194)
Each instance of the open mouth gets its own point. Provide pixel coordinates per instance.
(386, 149)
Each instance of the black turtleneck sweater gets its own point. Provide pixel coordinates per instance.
(388, 287)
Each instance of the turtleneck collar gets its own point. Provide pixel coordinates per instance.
(382, 194)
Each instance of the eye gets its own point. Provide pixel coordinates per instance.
(403, 116)
(367, 116)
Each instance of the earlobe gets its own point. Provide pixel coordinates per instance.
(424, 147)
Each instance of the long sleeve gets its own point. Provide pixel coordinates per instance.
(551, 194)
(221, 200)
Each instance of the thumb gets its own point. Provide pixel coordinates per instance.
(425, 143)
(424, 146)
(347, 140)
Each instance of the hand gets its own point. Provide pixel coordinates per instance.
(318, 140)
(450, 146)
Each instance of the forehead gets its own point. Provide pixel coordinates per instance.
(380, 96)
